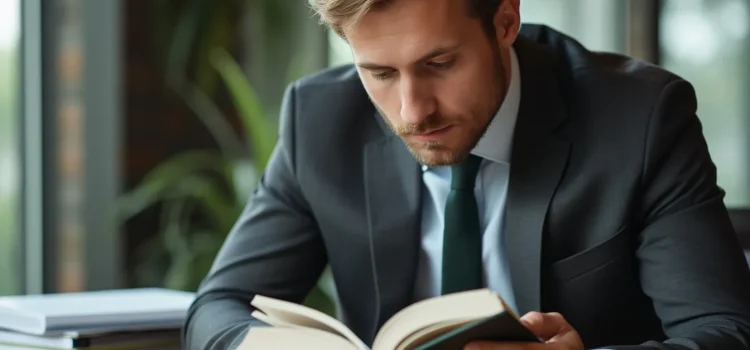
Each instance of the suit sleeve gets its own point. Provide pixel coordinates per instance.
(274, 249)
(691, 263)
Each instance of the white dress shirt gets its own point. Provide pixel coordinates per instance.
(490, 191)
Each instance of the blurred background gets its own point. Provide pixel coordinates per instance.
(132, 132)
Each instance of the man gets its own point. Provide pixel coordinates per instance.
(459, 153)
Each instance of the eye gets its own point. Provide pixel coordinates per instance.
(441, 64)
(382, 75)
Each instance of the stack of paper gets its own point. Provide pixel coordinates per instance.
(126, 319)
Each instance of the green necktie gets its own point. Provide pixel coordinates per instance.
(462, 239)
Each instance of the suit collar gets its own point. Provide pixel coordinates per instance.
(542, 73)
(538, 158)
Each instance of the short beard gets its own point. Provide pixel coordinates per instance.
(448, 157)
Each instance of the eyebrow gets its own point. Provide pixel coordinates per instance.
(430, 55)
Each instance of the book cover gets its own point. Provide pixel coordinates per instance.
(501, 327)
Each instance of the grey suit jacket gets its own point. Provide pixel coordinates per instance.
(614, 217)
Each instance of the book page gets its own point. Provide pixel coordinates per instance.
(463, 306)
(290, 338)
(291, 313)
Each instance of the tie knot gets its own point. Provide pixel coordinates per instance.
(464, 174)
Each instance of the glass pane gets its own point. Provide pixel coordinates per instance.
(707, 42)
(9, 152)
(602, 29)
(338, 50)
(598, 25)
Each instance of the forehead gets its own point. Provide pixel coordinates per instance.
(404, 29)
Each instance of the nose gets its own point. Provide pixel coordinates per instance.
(417, 101)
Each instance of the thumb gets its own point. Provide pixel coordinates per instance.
(546, 326)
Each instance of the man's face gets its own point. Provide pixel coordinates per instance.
(433, 73)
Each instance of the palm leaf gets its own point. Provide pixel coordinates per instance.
(173, 223)
(213, 197)
(259, 131)
(212, 118)
(156, 184)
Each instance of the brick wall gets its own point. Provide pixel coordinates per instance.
(69, 114)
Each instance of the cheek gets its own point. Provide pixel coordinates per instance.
(462, 93)
(385, 97)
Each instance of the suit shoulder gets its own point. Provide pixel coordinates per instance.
(605, 79)
(611, 94)
(335, 91)
(332, 107)
(334, 77)
(600, 73)
(331, 93)
(624, 70)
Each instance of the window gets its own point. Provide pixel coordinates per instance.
(598, 25)
(10, 164)
(338, 50)
(707, 42)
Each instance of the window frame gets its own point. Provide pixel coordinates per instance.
(40, 228)
(31, 148)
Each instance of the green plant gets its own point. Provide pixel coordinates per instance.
(9, 191)
(202, 192)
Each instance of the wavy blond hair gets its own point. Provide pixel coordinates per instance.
(341, 14)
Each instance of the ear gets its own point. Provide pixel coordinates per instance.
(507, 22)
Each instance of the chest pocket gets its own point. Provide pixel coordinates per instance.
(598, 257)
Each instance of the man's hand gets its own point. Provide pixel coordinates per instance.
(552, 327)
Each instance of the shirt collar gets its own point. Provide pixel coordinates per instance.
(496, 143)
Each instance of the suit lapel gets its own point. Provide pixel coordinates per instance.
(393, 189)
(538, 160)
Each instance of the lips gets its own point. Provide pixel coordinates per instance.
(433, 135)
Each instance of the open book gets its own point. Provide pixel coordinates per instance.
(444, 322)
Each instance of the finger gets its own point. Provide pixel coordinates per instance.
(534, 321)
(545, 325)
